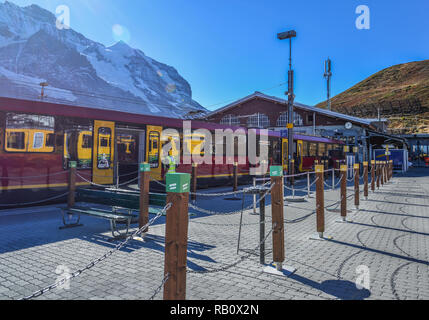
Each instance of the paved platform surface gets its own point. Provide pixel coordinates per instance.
(389, 238)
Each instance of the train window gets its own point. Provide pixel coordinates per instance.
(127, 148)
(322, 149)
(86, 141)
(29, 133)
(305, 149)
(15, 141)
(258, 120)
(312, 151)
(104, 142)
(38, 138)
(78, 147)
(153, 149)
(50, 140)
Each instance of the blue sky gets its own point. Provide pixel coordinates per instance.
(227, 49)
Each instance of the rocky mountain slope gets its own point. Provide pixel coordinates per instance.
(80, 71)
(400, 93)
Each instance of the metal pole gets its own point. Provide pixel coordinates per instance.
(333, 178)
(308, 184)
(194, 182)
(72, 184)
(254, 196)
(235, 182)
(262, 230)
(344, 192)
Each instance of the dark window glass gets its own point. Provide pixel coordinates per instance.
(16, 141)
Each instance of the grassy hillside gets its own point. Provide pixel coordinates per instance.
(401, 93)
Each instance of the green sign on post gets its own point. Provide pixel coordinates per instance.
(144, 167)
(73, 164)
(276, 171)
(178, 182)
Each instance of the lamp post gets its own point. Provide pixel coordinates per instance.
(291, 97)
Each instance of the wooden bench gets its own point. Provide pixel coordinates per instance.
(122, 206)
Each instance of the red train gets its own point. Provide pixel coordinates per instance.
(39, 139)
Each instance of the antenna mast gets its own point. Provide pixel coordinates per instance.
(328, 75)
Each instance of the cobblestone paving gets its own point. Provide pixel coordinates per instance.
(389, 235)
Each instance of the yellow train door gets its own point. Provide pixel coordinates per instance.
(153, 151)
(103, 152)
(285, 155)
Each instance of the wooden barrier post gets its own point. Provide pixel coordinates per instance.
(373, 171)
(365, 179)
(194, 181)
(235, 173)
(357, 178)
(72, 184)
(292, 172)
(277, 213)
(382, 173)
(176, 235)
(378, 174)
(390, 167)
(277, 207)
(144, 172)
(320, 203)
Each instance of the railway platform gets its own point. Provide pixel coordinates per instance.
(385, 247)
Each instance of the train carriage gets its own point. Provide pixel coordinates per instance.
(39, 139)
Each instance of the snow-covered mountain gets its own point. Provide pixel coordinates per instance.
(80, 71)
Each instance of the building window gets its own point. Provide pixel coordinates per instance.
(258, 120)
(231, 120)
(282, 121)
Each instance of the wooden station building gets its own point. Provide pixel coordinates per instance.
(259, 110)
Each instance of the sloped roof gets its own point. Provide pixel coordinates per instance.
(333, 114)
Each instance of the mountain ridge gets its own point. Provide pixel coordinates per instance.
(81, 71)
(400, 93)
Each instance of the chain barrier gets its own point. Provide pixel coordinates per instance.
(210, 212)
(106, 186)
(217, 194)
(158, 182)
(300, 219)
(102, 258)
(296, 189)
(160, 286)
(34, 202)
(229, 266)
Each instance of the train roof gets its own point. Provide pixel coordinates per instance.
(54, 109)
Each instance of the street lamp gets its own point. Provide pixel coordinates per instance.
(291, 97)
